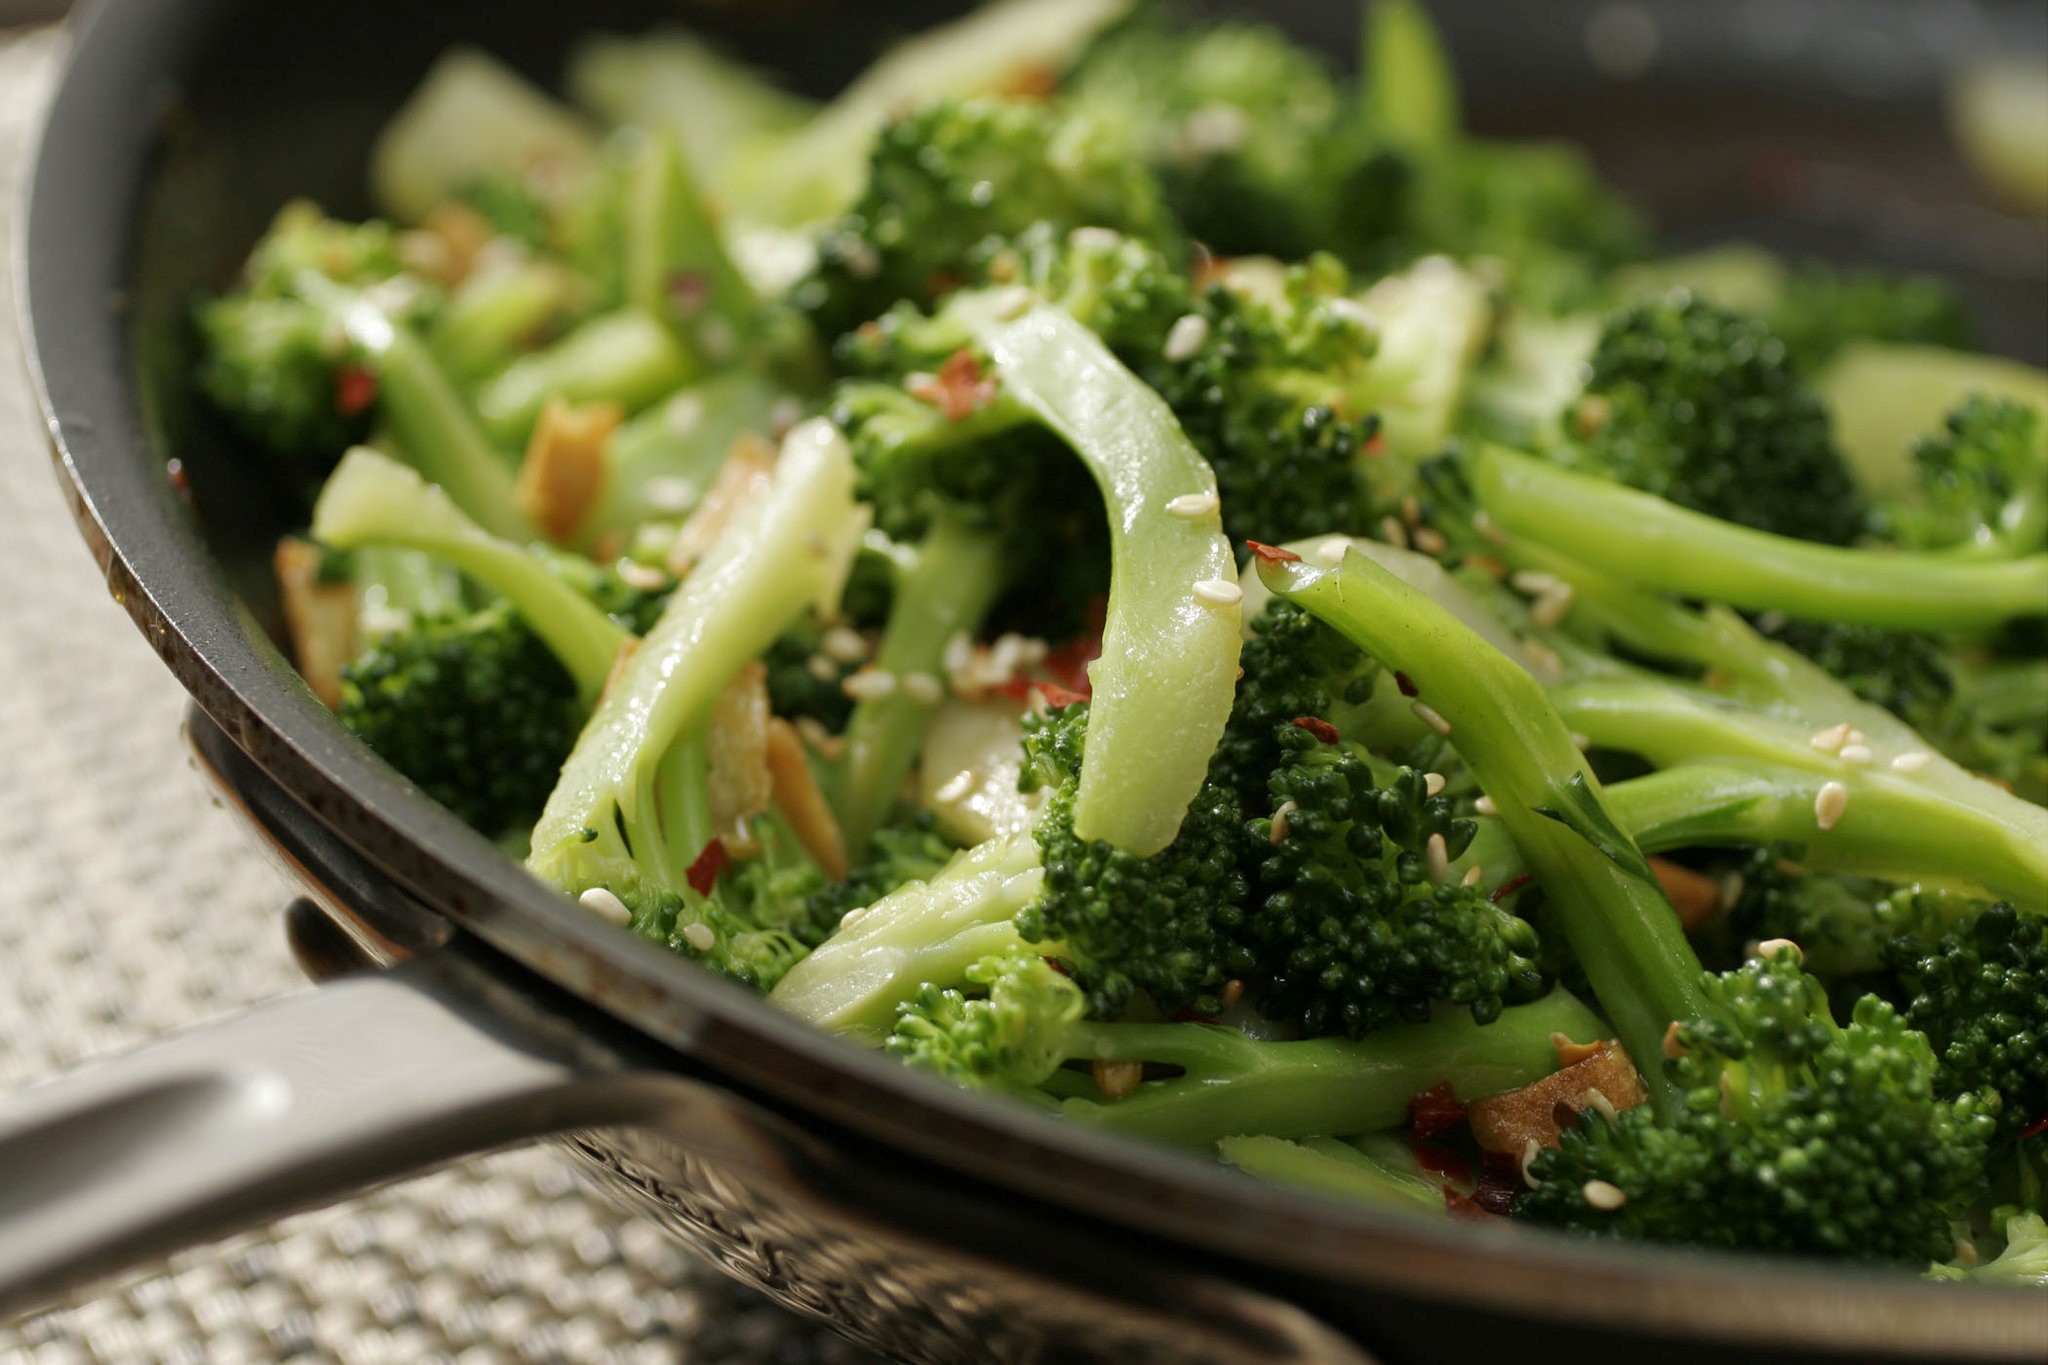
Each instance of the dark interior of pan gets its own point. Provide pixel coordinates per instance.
(185, 123)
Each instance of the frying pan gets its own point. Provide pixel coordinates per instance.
(472, 1007)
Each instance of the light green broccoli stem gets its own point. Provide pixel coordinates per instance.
(1410, 92)
(627, 357)
(676, 266)
(1640, 537)
(948, 586)
(1522, 753)
(495, 313)
(788, 552)
(1236, 1084)
(371, 499)
(1340, 1169)
(1164, 684)
(660, 464)
(854, 982)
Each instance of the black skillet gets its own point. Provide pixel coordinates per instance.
(929, 1223)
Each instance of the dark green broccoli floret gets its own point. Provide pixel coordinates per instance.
(1795, 1135)
(1980, 994)
(910, 852)
(949, 175)
(1703, 407)
(1821, 308)
(509, 205)
(1842, 924)
(1354, 926)
(473, 709)
(1981, 483)
(1167, 924)
(1294, 666)
(1908, 673)
(799, 684)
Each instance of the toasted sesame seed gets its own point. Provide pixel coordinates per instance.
(822, 668)
(1535, 582)
(869, 684)
(1771, 947)
(1279, 830)
(1673, 1049)
(1439, 855)
(1543, 661)
(1472, 876)
(1732, 887)
(1828, 806)
(852, 917)
(1394, 533)
(1232, 992)
(1189, 333)
(845, 644)
(1911, 761)
(1195, 506)
(700, 936)
(1531, 1149)
(1430, 716)
(1484, 805)
(1858, 755)
(1488, 565)
(823, 742)
(605, 905)
(1429, 540)
(1483, 524)
(959, 651)
(1855, 736)
(672, 496)
(1118, 1079)
(956, 786)
(1219, 592)
(1831, 740)
(1432, 783)
(1552, 607)
(1602, 1195)
(1596, 1100)
(1411, 510)
(923, 688)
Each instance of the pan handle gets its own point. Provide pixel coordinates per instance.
(289, 1105)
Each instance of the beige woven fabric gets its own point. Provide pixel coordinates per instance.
(129, 906)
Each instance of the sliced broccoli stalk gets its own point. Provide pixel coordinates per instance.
(1638, 536)
(662, 462)
(945, 590)
(625, 356)
(1880, 394)
(1163, 686)
(1383, 1174)
(471, 118)
(627, 814)
(1434, 320)
(372, 499)
(2021, 1263)
(1408, 88)
(1522, 754)
(497, 311)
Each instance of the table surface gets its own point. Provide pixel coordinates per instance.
(130, 905)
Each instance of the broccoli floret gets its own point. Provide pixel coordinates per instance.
(1294, 667)
(1702, 406)
(1819, 308)
(1908, 673)
(474, 709)
(1842, 924)
(1358, 922)
(1168, 924)
(1981, 483)
(1980, 994)
(947, 176)
(1795, 1134)
(800, 685)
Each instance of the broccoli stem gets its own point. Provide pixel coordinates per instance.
(495, 313)
(1641, 537)
(675, 262)
(788, 551)
(1619, 924)
(371, 499)
(1236, 1084)
(1164, 684)
(1329, 1166)
(625, 356)
(953, 578)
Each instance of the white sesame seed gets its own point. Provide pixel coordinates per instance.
(1531, 1149)
(923, 689)
(1279, 831)
(1194, 506)
(1118, 1079)
(1095, 238)
(645, 577)
(1431, 717)
(959, 651)
(1439, 855)
(684, 414)
(1484, 805)
(1432, 783)
(1596, 1100)
(1673, 1049)
(822, 668)
(1552, 607)
(1855, 736)
(863, 262)
(1189, 333)
(869, 684)
(1858, 755)
(1829, 804)
(605, 905)
(852, 917)
(1483, 524)
(1411, 510)
(1581, 739)
(700, 936)
(1429, 540)
(844, 644)
(1543, 661)
(1472, 876)
(671, 496)
(956, 786)
(1771, 947)
(1911, 762)
(1393, 532)
(1832, 739)
(1534, 582)
(1219, 592)
(1602, 1195)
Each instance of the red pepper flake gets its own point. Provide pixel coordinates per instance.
(1464, 1210)
(942, 283)
(1057, 696)
(703, 874)
(355, 388)
(174, 470)
(962, 388)
(1316, 726)
(2035, 1129)
(688, 291)
(1272, 554)
(1377, 444)
(1406, 684)
(1185, 1015)
(1442, 1161)
(1436, 1110)
(1508, 887)
(1069, 663)
(1058, 966)
(1500, 1180)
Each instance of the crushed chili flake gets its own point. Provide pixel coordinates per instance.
(1442, 1161)
(942, 283)
(688, 291)
(1435, 1110)
(1057, 696)
(1318, 727)
(1186, 1015)
(1463, 1209)
(1500, 1180)
(1376, 445)
(1508, 887)
(1406, 684)
(2035, 1129)
(702, 875)
(355, 388)
(960, 388)
(1272, 554)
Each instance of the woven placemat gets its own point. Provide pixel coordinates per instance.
(129, 906)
